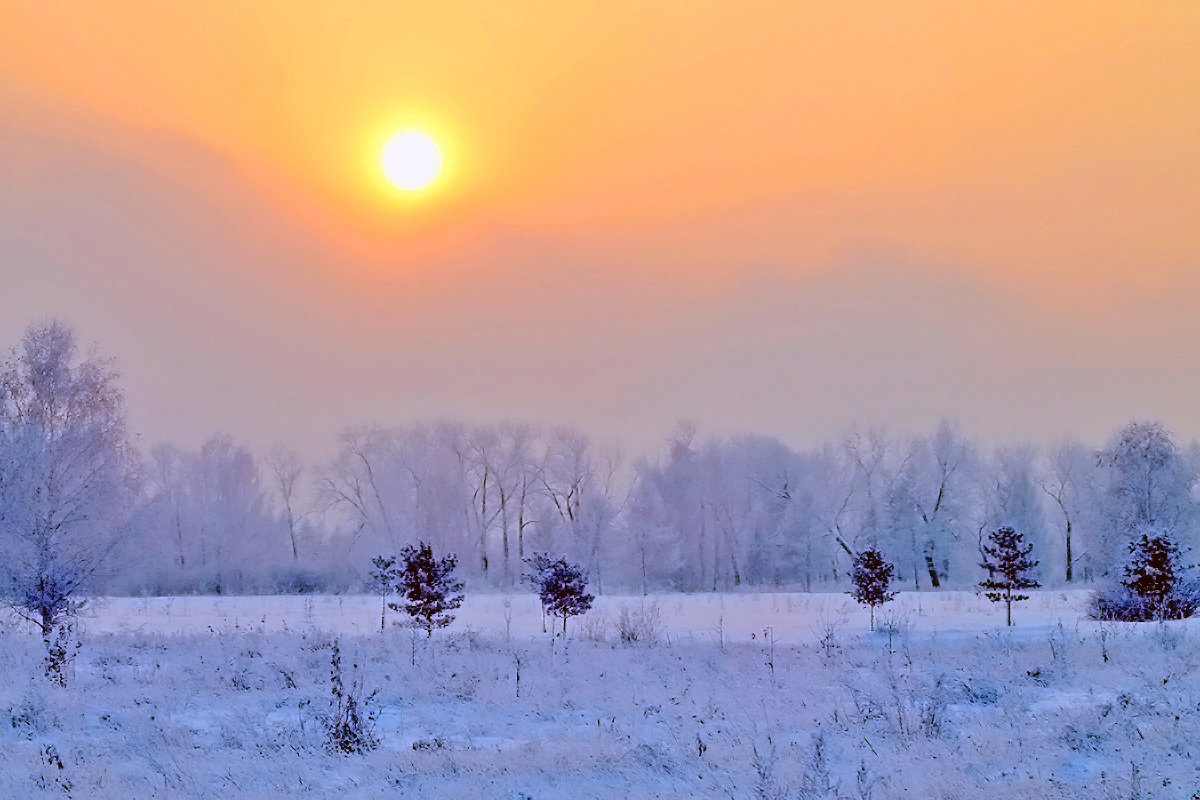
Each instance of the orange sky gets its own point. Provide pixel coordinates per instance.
(1048, 150)
(1023, 136)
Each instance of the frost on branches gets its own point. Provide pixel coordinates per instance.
(1009, 568)
(66, 474)
(871, 575)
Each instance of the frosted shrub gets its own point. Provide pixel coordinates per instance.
(897, 625)
(30, 716)
(350, 725)
(641, 623)
(595, 627)
(931, 709)
(61, 649)
(817, 780)
(829, 641)
(53, 773)
(766, 785)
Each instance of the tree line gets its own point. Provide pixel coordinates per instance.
(80, 504)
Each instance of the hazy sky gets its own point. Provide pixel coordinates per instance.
(771, 217)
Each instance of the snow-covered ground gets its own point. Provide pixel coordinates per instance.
(684, 617)
(746, 695)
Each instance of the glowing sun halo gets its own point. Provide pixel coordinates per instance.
(411, 160)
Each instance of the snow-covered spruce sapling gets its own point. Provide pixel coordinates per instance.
(1009, 568)
(871, 575)
(382, 581)
(563, 590)
(1153, 586)
(429, 587)
(1152, 569)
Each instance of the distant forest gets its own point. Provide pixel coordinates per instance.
(707, 513)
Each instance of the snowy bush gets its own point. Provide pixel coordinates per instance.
(1153, 587)
(1122, 605)
(595, 627)
(350, 725)
(639, 624)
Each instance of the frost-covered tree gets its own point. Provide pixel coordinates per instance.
(871, 575)
(515, 470)
(927, 504)
(286, 471)
(1067, 476)
(382, 581)
(205, 521)
(429, 587)
(563, 590)
(581, 484)
(1009, 568)
(1149, 484)
(66, 473)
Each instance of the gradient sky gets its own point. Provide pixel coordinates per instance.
(771, 217)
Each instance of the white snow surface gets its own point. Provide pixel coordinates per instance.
(733, 695)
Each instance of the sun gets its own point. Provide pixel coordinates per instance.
(411, 160)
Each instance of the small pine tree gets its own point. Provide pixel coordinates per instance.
(563, 590)
(1154, 586)
(1008, 565)
(384, 575)
(871, 575)
(1152, 571)
(429, 588)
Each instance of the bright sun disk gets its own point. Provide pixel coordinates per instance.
(411, 160)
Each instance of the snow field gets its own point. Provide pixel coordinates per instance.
(223, 697)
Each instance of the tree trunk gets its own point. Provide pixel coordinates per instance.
(292, 534)
(483, 556)
(179, 537)
(504, 533)
(915, 563)
(521, 522)
(644, 589)
(933, 576)
(1070, 572)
